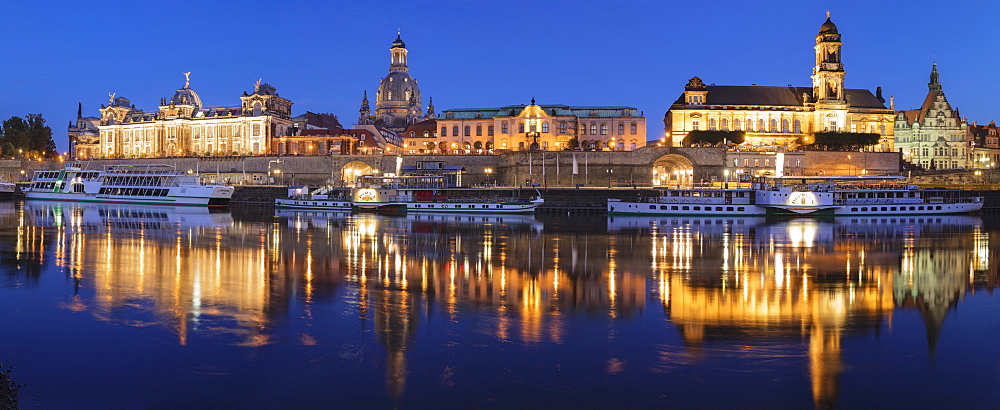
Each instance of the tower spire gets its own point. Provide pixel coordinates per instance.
(935, 83)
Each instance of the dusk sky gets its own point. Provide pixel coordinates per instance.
(323, 55)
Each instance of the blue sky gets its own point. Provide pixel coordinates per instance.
(322, 55)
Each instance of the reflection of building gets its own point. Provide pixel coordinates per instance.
(933, 136)
(773, 115)
(183, 125)
(548, 127)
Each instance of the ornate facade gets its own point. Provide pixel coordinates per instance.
(184, 126)
(84, 136)
(398, 103)
(779, 116)
(935, 135)
(546, 127)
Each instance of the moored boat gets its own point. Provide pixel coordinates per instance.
(158, 184)
(7, 189)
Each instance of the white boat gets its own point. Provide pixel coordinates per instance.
(153, 184)
(7, 189)
(799, 195)
(417, 194)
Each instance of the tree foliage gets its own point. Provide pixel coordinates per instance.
(839, 141)
(714, 137)
(573, 143)
(27, 135)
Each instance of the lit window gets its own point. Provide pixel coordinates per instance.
(621, 129)
(545, 127)
(604, 129)
(489, 130)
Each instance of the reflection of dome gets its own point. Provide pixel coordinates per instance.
(398, 87)
(186, 96)
(828, 27)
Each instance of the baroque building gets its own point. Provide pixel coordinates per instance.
(544, 127)
(84, 136)
(398, 102)
(985, 145)
(184, 126)
(779, 116)
(935, 135)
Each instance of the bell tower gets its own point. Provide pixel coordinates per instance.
(828, 74)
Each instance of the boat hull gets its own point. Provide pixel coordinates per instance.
(130, 199)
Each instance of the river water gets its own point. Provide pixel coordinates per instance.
(116, 306)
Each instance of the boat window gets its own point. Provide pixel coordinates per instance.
(892, 209)
(652, 207)
(685, 208)
(740, 209)
(883, 209)
(718, 208)
(854, 209)
(864, 209)
(673, 208)
(729, 208)
(939, 207)
(697, 208)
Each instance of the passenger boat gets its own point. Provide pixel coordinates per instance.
(419, 194)
(7, 189)
(158, 184)
(799, 195)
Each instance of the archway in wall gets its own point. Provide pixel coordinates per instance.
(673, 170)
(354, 170)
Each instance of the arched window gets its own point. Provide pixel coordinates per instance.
(774, 125)
(545, 127)
(621, 129)
(797, 126)
(760, 125)
(593, 129)
(583, 130)
(412, 134)
(454, 131)
(784, 125)
(711, 124)
(479, 130)
(604, 129)
(478, 145)
(467, 130)
(632, 129)
(427, 134)
(725, 124)
(737, 124)
(444, 131)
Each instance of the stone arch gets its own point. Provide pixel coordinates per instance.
(672, 169)
(354, 169)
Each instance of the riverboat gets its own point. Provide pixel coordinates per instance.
(417, 194)
(152, 184)
(799, 195)
(7, 189)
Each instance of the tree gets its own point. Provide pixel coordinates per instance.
(839, 141)
(573, 143)
(714, 137)
(28, 134)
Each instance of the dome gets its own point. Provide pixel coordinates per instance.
(828, 27)
(186, 96)
(398, 43)
(395, 89)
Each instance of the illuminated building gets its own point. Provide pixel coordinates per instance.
(184, 126)
(398, 102)
(548, 127)
(84, 136)
(985, 145)
(780, 115)
(933, 136)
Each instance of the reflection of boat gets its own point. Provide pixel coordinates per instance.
(420, 194)
(158, 184)
(620, 223)
(106, 217)
(799, 195)
(7, 189)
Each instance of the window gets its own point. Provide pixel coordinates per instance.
(545, 127)
(520, 127)
(479, 130)
(604, 129)
(784, 125)
(454, 131)
(467, 130)
(760, 125)
(854, 127)
(797, 126)
(583, 130)
(736, 124)
(632, 129)
(503, 127)
(725, 125)
(621, 129)
(489, 130)
(562, 127)
(593, 129)
(774, 125)
(711, 124)
(545, 145)
(756, 162)
(881, 129)
(694, 125)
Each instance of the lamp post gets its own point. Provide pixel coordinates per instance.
(726, 173)
(489, 175)
(277, 171)
(654, 179)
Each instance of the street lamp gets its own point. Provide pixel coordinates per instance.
(654, 178)
(489, 175)
(726, 173)
(277, 171)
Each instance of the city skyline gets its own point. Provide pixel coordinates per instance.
(475, 55)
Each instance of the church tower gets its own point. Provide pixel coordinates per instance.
(828, 75)
(397, 102)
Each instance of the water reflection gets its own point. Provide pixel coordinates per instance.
(724, 283)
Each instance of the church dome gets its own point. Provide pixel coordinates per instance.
(398, 43)
(186, 96)
(396, 89)
(828, 27)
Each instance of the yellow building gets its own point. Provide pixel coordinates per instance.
(548, 127)
(184, 126)
(780, 115)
